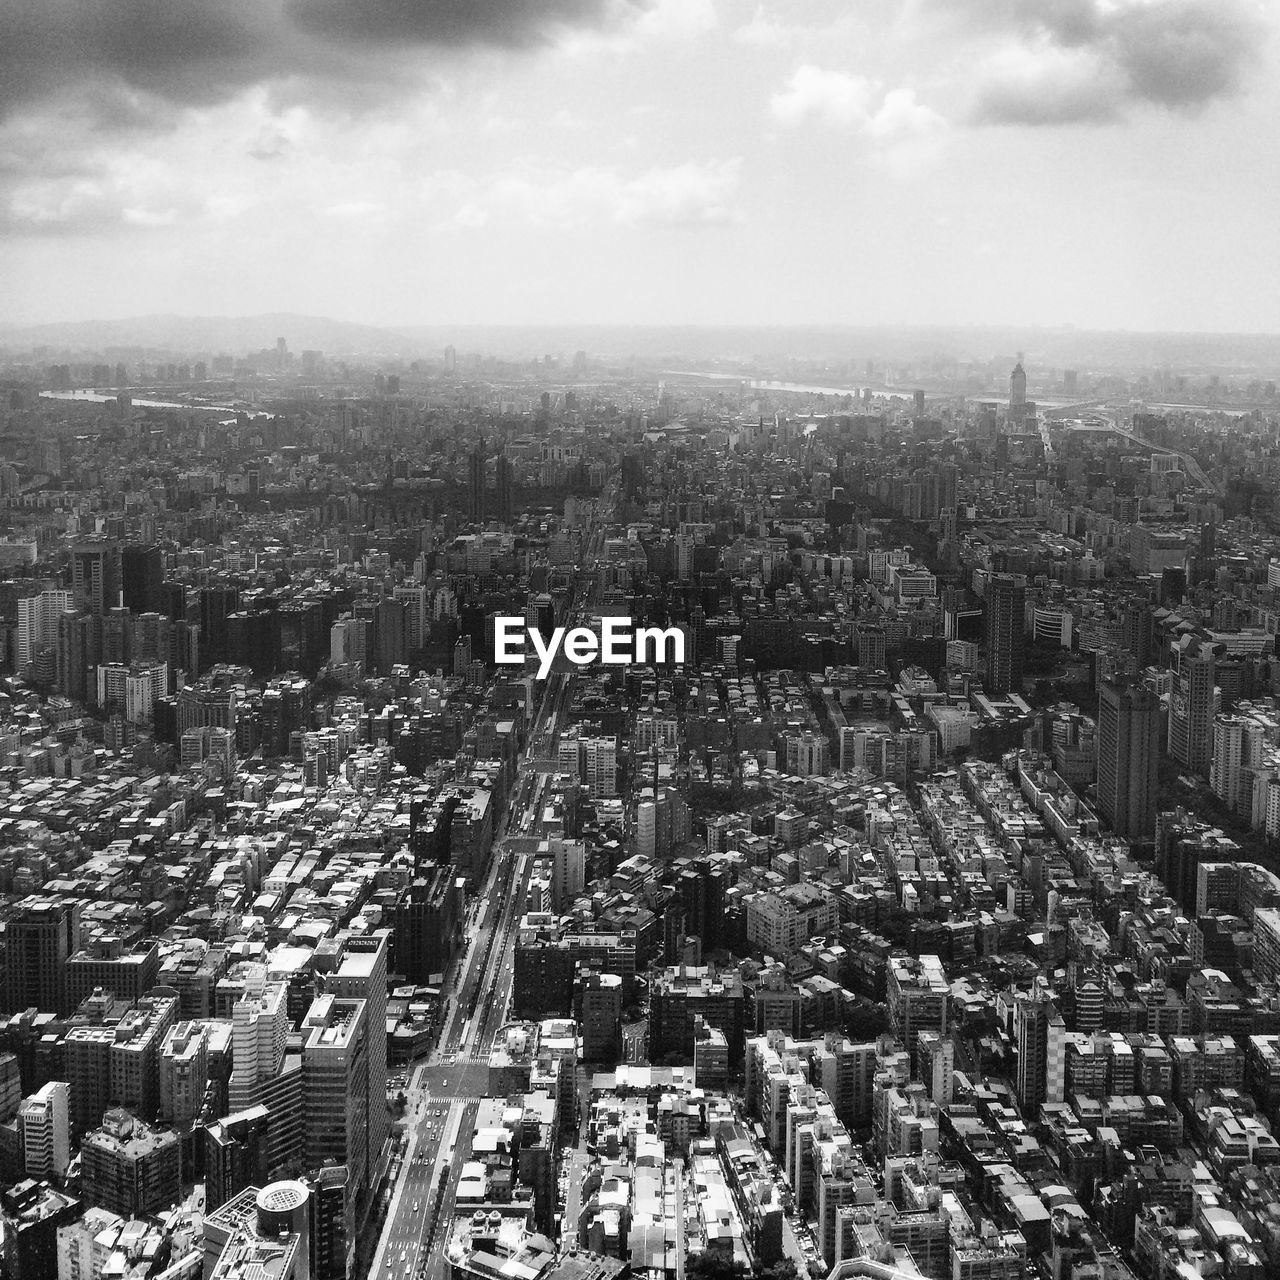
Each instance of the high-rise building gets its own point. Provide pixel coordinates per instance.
(95, 576)
(45, 1123)
(336, 1084)
(235, 1155)
(600, 997)
(1128, 758)
(1192, 705)
(428, 924)
(1238, 746)
(184, 1073)
(362, 975)
(142, 577)
(569, 871)
(217, 604)
(1005, 632)
(38, 624)
(872, 649)
(259, 1037)
(919, 997)
(1041, 1038)
(600, 766)
(40, 936)
(1017, 386)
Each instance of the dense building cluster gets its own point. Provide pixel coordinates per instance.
(922, 920)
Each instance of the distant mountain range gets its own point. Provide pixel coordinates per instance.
(189, 335)
(767, 346)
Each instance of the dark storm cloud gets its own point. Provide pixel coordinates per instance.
(1089, 62)
(458, 23)
(180, 53)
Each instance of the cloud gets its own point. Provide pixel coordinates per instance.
(689, 195)
(1094, 61)
(1047, 86)
(170, 54)
(832, 97)
(905, 134)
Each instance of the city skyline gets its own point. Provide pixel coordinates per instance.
(707, 162)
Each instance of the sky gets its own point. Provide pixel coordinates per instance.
(1107, 164)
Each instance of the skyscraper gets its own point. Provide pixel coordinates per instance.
(95, 576)
(1128, 758)
(142, 577)
(259, 1037)
(362, 976)
(1191, 708)
(1041, 1037)
(1017, 388)
(1005, 632)
(336, 1084)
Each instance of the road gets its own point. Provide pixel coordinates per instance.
(444, 1092)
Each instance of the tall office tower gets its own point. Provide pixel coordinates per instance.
(1041, 1037)
(1128, 758)
(45, 1124)
(217, 604)
(142, 576)
(362, 975)
(259, 1037)
(73, 662)
(95, 576)
(1018, 385)
(336, 1084)
(1005, 627)
(918, 399)
(505, 490)
(391, 631)
(41, 935)
(475, 484)
(948, 486)
(173, 600)
(1191, 708)
(1138, 633)
(871, 649)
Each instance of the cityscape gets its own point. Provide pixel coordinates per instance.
(638, 640)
